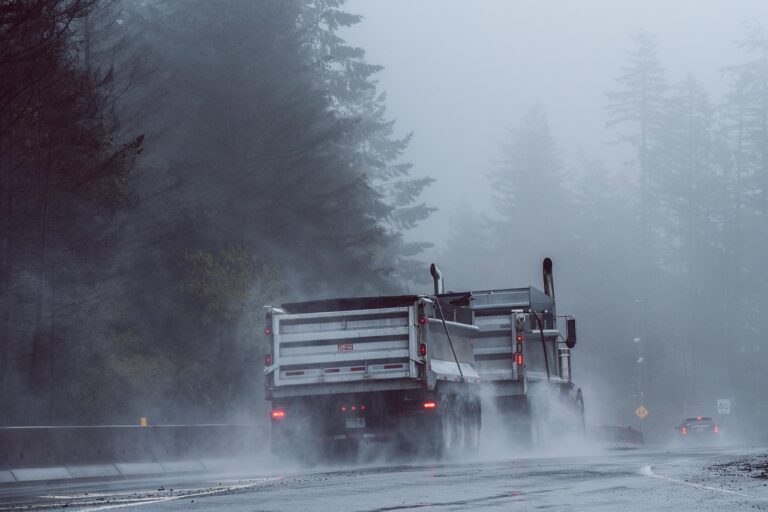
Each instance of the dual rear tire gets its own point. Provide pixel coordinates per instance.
(458, 432)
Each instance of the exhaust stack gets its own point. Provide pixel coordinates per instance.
(437, 279)
(549, 282)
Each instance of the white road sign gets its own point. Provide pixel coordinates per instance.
(724, 406)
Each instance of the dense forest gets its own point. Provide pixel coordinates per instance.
(166, 169)
(661, 264)
(169, 167)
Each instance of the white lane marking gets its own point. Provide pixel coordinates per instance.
(150, 501)
(647, 471)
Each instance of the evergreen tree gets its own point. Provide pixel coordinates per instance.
(690, 187)
(64, 175)
(529, 178)
(466, 259)
(638, 107)
(352, 88)
(745, 115)
(270, 191)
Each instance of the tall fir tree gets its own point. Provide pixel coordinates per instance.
(745, 116)
(689, 186)
(528, 178)
(353, 89)
(64, 175)
(637, 107)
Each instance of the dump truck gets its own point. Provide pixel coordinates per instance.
(393, 369)
(522, 356)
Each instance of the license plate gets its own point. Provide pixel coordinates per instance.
(355, 422)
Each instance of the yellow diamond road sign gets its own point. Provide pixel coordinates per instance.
(641, 412)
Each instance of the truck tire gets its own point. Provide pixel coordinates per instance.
(449, 430)
(460, 425)
(472, 426)
(580, 417)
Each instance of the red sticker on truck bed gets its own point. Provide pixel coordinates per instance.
(344, 347)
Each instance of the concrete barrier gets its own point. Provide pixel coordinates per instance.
(616, 437)
(49, 447)
(93, 471)
(35, 474)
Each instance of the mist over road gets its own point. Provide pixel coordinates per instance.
(649, 479)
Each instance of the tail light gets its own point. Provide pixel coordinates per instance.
(422, 317)
(430, 404)
(716, 429)
(519, 338)
(519, 359)
(423, 350)
(683, 430)
(268, 360)
(267, 331)
(278, 414)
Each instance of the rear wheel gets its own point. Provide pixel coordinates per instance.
(459, 424)
(580, 417)
(447, 428)
(472, 427)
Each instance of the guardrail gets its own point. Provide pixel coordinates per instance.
(27, 447)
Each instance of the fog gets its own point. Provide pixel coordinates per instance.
(460, 74)
(463, 76)
(188, 162)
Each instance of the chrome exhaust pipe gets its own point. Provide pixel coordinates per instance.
(437, 279)
(549, 282)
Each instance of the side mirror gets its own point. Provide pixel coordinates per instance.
(570, 329)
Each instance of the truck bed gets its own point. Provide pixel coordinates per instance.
(343, 346)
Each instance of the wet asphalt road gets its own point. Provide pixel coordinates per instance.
(648, 479)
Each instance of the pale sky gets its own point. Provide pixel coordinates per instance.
(460, 73)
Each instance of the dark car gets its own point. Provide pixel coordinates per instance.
(700, 429)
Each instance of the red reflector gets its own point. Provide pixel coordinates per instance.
(331, 370)
(268, 360)
(430, 405)
(519, 338)
(278, 414)
(422, 350)
(422, 320)
(267, 331)
(520, 359)
(291, 374)
(392, 366)
(357, 369)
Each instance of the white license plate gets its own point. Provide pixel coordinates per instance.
(355, 422)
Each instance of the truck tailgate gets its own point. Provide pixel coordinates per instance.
(493, 346)
(344, 346)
